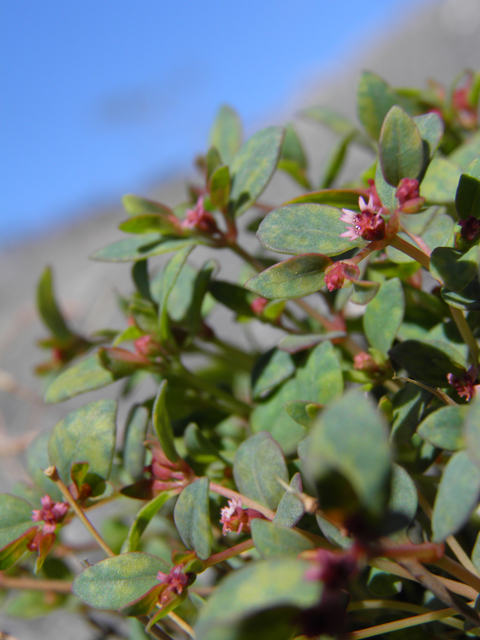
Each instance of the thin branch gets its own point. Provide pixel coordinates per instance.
(51, 473)
(60, 586)
(466, 333)
(410, 250)
(228, 553)
(184, 626)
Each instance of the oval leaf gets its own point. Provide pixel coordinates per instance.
(83, 376)
(276, 541)
(384, 315)
(401, 147)
(252, 168)
(457, 496)
(162, 425)
(472, 430)
(304, 228)
(226, 133)
(143, 519)
(192, 518)
(134, 448)
(443, 428)
(270, 370)
(85, 435)
(290, 509)
(467, 199)
(452, 268)
(258, 462)
(48, 308)
(15, 518)
(117, 582)
(294, 278)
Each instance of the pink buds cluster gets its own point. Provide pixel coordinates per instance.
(175, 582)
(465, 386)
(470, 229)
(339, 272)
(51, 513)
(408, 196)
(200, 219)
(166, 474)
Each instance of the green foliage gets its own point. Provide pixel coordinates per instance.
(229, 429)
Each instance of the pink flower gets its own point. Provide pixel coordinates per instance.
(363, 361)
(175, 581)
(200, 219)
(368, 224)
(234, 518)
(338, 272)
(51, 513)
(146, 346)
(465, 386)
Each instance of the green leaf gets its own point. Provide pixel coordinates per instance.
(85, 435)
(440, 183)
(467, 199)
(319, 380)
(134, 449)
(142, 247)
(232, 296)
(252, 168)
(49, 309)
(162, 425)
(375, 98)
(457, 496)
(403, 499)
(273, 540)
(270, 370)
(293, 278)
(136, 206)
(37, 461)
(296, 343)
(118, 582)
(332, 119)
(170, 274)
(143, 519)
(295, 171)
(226, 134)
(472, 430)
(192, 518)
(401, 147)
(271, 585)
(467, 152)
(408, 406)
(304, 228)
(443, 428)
(219, 187)
(15, 522)
(336, 160)
(351, 438)
(150, 223)
(382, 584)
(293, 159)
(385, 191)
(384, 315)
(431, 128)
(290, 509)
(364, 291)
(452, 268)
(86, 375)
(258, 462)
(427, 362)
(301, 412)
(468, 299)
(334, 197)
(199, 447)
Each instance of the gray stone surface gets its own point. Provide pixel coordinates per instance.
(437, 42)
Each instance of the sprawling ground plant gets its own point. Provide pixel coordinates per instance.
(325, 487)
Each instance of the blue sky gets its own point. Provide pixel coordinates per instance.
(103, 97)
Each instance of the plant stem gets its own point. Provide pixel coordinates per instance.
(231, 351)
(184, 626)
(233, 404)
(228, 553)
(60, 586)
(466, 333)
(406, 623)
(410, 250)
(155, 630)
(251, 504)
(51, 473)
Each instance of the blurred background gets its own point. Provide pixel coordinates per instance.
(111, 97)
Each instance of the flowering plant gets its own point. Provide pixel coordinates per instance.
(325, 487)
